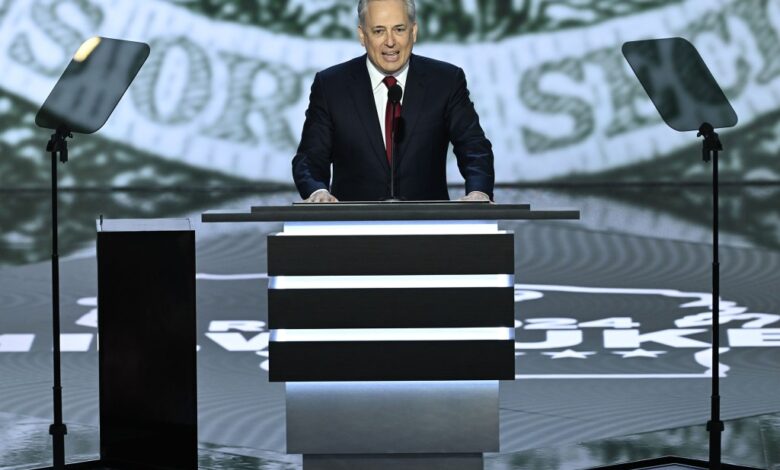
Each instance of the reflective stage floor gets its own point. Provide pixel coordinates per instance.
(612, 332)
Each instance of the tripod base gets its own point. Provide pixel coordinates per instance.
(670, 463)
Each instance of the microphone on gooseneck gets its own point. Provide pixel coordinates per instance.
(394, 94)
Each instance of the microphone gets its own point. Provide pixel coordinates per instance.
(394, 95)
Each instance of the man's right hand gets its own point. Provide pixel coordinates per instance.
(321, 195)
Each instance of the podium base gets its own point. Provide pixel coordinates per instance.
(393, 462)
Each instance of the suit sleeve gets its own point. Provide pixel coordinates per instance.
(472, 149)
(311, 163)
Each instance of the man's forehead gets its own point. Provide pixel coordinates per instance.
(388, 12)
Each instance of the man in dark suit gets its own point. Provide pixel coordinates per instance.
(349, 119)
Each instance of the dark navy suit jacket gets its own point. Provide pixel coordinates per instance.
(342, 129)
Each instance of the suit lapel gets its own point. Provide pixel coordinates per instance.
(363, 98)
(413, 104)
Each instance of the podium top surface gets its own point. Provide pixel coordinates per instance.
(387, 211)
(143, 225)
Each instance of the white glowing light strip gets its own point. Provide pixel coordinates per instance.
(394, 386)
(393, 334)
(428, 227)
(391, 282)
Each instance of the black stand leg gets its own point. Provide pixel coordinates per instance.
(58, 147)
(710, 148)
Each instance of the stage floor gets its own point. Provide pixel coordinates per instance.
(612, 331)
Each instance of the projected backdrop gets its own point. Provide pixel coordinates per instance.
(221, 100)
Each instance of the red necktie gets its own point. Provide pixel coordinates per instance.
(389, 81)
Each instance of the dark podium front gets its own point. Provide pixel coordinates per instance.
(146, 324)
(391, 325)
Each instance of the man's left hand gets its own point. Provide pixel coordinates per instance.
(475, 196)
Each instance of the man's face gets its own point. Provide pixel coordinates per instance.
(387, 35)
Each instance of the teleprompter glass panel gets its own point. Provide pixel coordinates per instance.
(679, 83)
(92, 84)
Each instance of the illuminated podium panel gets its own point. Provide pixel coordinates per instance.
(383, 352)
(414, 328)
(391, 325)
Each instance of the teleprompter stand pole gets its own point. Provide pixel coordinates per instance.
(58, 147)
(710, 148)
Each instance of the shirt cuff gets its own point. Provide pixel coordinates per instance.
(480, 192)
(318, 191)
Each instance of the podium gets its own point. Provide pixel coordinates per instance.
(391, 327)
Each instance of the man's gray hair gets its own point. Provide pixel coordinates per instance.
(411, 10)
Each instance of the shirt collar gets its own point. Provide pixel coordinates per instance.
(376, 76)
